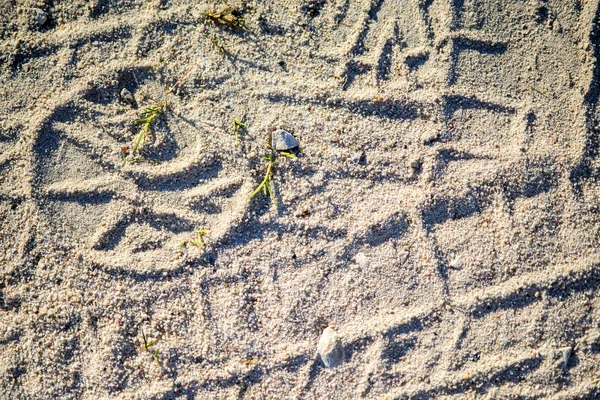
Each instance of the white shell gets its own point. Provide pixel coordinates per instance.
(282, 140)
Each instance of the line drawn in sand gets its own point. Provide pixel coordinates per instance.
(168, 202)
(133, 217)
(500, 168)
(514, 172)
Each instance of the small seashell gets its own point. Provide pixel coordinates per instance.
(282, 140)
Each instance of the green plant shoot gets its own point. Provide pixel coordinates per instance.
(238, 125)
(266, 185)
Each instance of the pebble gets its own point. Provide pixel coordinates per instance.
(565, 354)
(428, 138)
(127, 97)
(330, 348)
(358, 157)
(282, 140)
(416, 164)
(402, 256)
(362, 260)
(39, 16)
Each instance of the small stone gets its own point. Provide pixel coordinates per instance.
(282, 141)
(402, 256)
(39, 16)
(565, 354)
(358, 157)
(127, 97)
(416, 164)
(362, 260)
(330, 348)
(455, 264)
(302, 212)
(429, 137)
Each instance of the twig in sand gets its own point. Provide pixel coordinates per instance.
(532, 88)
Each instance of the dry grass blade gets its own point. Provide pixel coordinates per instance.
(216, 46)
(229, 18)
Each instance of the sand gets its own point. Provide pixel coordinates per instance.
(441, 214)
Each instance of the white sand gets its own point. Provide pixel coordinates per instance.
(442, 214)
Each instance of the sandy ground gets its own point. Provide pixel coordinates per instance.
(441, 214)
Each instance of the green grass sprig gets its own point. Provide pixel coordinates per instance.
(199, 242)
(238, 126)
(147, 346)
(266, 184)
